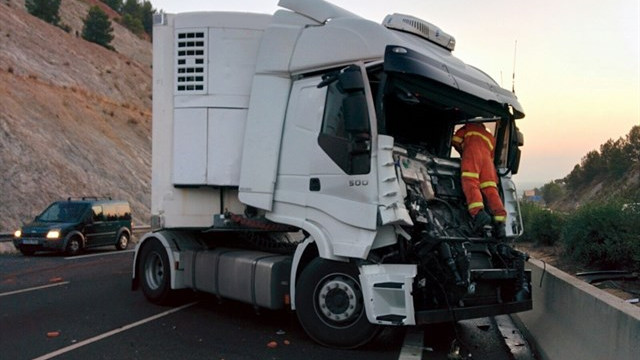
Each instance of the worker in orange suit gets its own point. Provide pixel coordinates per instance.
(476, 147)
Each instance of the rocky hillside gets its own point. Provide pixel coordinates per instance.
(603, 188)
(75, 118)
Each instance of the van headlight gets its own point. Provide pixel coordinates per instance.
(53, 234)
(17, 234)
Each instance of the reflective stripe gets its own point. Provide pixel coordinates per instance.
(456, 139)
(487, 184)
(484, 137)
(471, 175)
(475, 205)
(500, 218)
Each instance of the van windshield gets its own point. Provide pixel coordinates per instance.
(63, 212)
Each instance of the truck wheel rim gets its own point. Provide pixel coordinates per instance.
(338, 301)
(154, 270)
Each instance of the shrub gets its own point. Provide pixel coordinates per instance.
(133, 24)
(65, 27)
(46, 10)
(603, 236)
(114, 4)
(541, 226)
(97, 28)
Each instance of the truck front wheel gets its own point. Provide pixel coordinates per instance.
(154, 273)
(330, 306)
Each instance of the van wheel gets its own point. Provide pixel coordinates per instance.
(154, 273)
(330, 306)
(123, 241)
(74, 246)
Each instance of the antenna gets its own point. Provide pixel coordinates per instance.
(513, 76)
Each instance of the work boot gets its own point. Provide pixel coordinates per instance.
(500, 230)
(480, 220)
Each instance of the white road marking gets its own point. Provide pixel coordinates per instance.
(99, 254)
(413, 345)
(33, 288)
(112, 332)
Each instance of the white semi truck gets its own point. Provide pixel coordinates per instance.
(303, 160)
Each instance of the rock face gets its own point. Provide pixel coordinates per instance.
(75, 118)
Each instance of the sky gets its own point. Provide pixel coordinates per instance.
(576, 62)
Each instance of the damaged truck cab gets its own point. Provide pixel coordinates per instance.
(303, 159)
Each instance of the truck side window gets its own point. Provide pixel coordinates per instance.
(345, 134)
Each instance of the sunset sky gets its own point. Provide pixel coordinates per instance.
(577, 64)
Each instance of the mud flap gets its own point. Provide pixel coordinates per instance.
(387, 293)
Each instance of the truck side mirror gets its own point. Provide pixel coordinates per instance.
(514, 151)
(350, 80)
(355, 103)
(520, 137)
(515, 164)
(356, 113)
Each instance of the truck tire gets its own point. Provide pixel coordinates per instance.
(154, 273)
(330, 307)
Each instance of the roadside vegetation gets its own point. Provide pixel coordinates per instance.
(598, 236)
(137, 16)
(593, 214)
(97, 28)
(47, 10)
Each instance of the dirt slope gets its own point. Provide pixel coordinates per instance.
(75, 118)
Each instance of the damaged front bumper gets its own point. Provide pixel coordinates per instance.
(391, 299)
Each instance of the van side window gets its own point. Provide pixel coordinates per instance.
(110, 212)
(124, 212)
(97, 213)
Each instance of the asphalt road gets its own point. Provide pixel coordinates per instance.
(52, 306)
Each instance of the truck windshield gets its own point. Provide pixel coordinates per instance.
(63, 212)
(423, 114)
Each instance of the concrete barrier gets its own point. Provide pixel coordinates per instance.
(575, 320)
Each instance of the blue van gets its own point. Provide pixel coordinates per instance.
(76, 224)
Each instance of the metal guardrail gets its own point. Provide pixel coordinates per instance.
(6, 237)
(137, 230)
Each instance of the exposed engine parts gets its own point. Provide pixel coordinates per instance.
(459, 265)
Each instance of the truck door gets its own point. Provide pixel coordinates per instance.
(342, 166)
(327, 160)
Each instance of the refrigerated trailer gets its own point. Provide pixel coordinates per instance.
(303, 160)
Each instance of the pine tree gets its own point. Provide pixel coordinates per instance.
(114, 4)
(97, 28)
(46, 10)
(131, 7)
(147, 16)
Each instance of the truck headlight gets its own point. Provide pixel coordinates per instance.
(53, 234)
(17, 234)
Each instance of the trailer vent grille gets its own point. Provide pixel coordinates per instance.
(191, 55)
